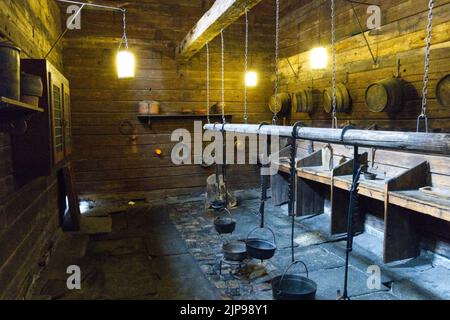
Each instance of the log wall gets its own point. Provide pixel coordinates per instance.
(106, 160)
(306, 24)
(28, 209)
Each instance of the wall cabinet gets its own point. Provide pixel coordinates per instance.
(47, 142)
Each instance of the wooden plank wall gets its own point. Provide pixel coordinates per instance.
(401, 37)
(28, 209)
(106, 161)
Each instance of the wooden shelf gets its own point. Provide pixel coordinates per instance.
(11, 105)
(420, 201)
(150, 117)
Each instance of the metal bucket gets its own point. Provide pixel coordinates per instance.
(385, 95)
(294, 287)
(259, 248)
(9, 71)
(225, 225)
(343, 101)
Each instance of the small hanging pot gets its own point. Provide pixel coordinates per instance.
(385, 95)
(234, 251)
(225, 225)
(343, 101)
(294, 287)
(259, 248)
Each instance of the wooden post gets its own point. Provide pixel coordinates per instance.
(220, 16)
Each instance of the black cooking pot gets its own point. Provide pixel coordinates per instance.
(294, 287)
(259, 248)
(225, 225)
(234, 251)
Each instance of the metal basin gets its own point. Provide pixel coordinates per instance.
(235, 251)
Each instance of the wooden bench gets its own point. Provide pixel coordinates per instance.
(399, 186)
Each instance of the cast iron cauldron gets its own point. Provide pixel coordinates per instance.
(294, 287)
(259, 248)
(235, 251)
(225, 225)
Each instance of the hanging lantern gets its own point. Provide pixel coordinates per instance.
(251, 79)
(125, 60)
(319, 58)
(126, 64)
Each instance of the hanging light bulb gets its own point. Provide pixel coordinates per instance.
(251, 79)
(125, 60)
(319, 58)
(125, 64)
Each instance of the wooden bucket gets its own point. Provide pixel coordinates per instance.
(343, 101)
(443, 91)
(9, 71)
(283, 103)
(385, 95)
(305, 101)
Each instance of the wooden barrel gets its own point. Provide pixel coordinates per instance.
(305, 101)
(443, 91)
(343, 102)
(283, 103)
(385, 95)
(9, 71)
(31, 85)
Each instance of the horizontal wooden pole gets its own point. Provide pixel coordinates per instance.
(429, 143)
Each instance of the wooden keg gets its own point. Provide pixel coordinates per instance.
(443, 91)
(305, 101)
(283, 103)
(343, 102)
(385, 95)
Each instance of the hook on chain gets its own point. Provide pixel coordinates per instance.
(422, 118)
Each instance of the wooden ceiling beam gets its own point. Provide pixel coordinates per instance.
(221, 14)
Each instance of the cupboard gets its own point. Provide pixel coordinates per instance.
(47, 142)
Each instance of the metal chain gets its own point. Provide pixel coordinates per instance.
(246, 66)
(423, 115)
(277, 39)
(207, 84)
(223, 77)
(334, 123)
(124, 36)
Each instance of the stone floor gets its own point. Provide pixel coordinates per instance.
(167, 248)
